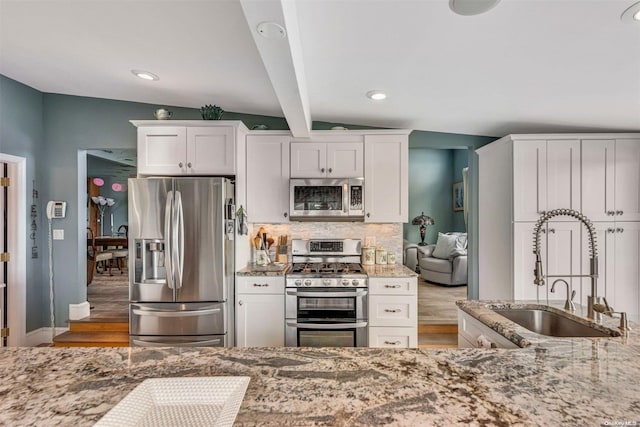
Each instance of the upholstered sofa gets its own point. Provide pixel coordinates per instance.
(448, 269)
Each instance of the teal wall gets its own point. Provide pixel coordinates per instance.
(22, 134)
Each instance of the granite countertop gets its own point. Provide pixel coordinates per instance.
(583, 382)
(389, 270)
(274, 269)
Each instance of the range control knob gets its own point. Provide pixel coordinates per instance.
(355, 282)
(307, 282)
(298, 282)
(345, 282)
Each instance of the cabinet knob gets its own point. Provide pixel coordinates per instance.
(322, 170)
(610, 213)
(240, 302)
(180, 165)
(543, 231)
(368, 215)
(189, 164)
(552, 230)
(286, 214)
(611, 230)
(330, 170)
(619, 230)
(619, 213)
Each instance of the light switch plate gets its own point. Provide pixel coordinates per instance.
(58, 234)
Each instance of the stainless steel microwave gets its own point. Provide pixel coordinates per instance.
(327, 199)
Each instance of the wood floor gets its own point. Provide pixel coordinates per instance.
(438, 314)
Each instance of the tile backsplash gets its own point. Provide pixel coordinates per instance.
(387, 235)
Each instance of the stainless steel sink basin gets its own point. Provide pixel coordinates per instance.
(552, 324)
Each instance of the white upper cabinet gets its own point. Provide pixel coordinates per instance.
(546, 176)
(386, 178)
(611, 179)
(268, 178)
(326, 159)
(187, 147)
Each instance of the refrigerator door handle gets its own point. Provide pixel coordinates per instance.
(167, 240)
(181, 344)
(161, 313)
(180, 240)
(175, 262)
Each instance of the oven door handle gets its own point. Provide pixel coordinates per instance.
(328, 325)
(295, 293)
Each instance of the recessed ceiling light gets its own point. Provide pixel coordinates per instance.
(271, 30)
(472, 7)
(376, 95)
(145, 75)
(632, 14)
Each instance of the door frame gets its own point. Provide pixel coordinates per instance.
(17, 247)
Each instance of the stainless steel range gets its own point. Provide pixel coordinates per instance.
(326, 295)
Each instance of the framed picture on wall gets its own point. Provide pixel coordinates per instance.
(457, 196)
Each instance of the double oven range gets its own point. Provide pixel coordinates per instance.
(326, 295)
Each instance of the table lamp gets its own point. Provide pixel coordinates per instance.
(422, 220)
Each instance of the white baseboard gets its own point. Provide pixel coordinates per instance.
(79, 311)
(41, 336)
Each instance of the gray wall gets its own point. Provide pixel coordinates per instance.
(22, 134)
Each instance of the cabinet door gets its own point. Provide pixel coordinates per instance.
(308, 159)
(268, 178)
(627, 183)
(529, 179)
(524, 262)
(598, 174)
(563, 176)
(386, 178)
(564, 253)
(260, 320)
(386, 337)
(211, 151)
(626, 295)
(345, 160)
(162, 150)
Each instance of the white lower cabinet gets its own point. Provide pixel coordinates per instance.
(260, 311)
(472, 333)
(393, 312)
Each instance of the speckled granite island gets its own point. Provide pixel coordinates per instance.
(585, 382)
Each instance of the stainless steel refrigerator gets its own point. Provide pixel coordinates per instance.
(181, 262)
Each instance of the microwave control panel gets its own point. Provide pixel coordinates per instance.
(355, 197)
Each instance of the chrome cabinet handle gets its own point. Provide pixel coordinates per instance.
(543, 231)
(286, 214)
(552, 230)
(610, 213)
(322, 170)
(392, 310)
(619, 212)
(189, 164)
(240, 302)
(392, 286)
(330, 170)
(619, 230)
(368, 215)
(392, 342)
(611, 230)
(180, 165)
(260, 285)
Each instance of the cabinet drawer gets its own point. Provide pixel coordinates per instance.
(393, 311)
(393, 337)
(260, 285)
(393, 286)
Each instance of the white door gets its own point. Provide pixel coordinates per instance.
(3, 249)
(563, 176)
(162, 150)
(260, 320)
(598, 174)
(308, 159)
(529, 179)
(211, 151)
(386, 170)
(524, 262)
(268, 178)
(626, 294)
(345, 160)
(627, 181)
(563, 258)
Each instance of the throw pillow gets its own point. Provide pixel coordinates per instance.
(445, 246)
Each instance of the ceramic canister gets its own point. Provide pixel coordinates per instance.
(381, 255)
(368, 256)
(391, 257)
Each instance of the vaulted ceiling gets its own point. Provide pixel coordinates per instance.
(524, 66)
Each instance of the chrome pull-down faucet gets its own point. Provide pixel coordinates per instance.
(593, 256)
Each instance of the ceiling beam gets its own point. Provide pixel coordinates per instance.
(282, 58)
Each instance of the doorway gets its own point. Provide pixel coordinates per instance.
(107, 231)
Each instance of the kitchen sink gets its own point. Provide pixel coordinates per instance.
(553, 324)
